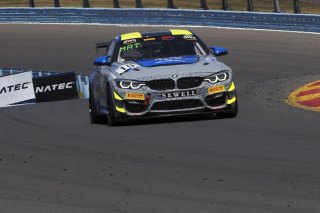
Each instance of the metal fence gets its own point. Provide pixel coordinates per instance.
(224, 4)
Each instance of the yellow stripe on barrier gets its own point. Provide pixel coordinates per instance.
(232, 100)
(130, 36)
(232, 87)
(180, 32)
(309, 97)
(306, 97)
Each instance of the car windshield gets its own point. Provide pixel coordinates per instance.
(159, 47)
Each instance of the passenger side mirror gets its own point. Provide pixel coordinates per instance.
(219, 51)
(102, 61)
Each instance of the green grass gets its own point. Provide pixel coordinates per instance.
(307, 6)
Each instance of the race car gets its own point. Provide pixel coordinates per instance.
(156, 74)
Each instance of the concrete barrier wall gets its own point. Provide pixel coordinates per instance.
(274, 21)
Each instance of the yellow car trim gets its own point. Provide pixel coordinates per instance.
(232, 100)
(122, 110)
(232, 87)
(116, 96)
(130, 36)
(180, 32)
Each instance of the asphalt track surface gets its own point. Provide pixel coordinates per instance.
(265, 160)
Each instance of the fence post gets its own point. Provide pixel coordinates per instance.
(56, 3)
(86, 4)
(116, 4)
(31, 3)
(171, 5)
(225, 5)
(203, 5)
(138, 4)
(296, 6)
(250, 5)
(276, 6)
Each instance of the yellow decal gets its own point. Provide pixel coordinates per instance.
(232, 87)
(149, 39)
(134, 96)
(116, 96)
(130, 36)
(122, 110)
(180, 32)
(216, 89)
(232, 100)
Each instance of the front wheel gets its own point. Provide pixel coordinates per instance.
(94, 117)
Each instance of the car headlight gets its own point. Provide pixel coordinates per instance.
(218, 77)
(129, 84)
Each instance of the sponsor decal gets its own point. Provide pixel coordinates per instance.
(189, 38)
(129, 47)
(135, 96)
(16, 88)
(55, 88)
(171, 59)
(178, 94)
(129, 41)
(167, 38)
(149, 39)
(216, 89)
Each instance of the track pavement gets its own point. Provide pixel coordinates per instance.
(265, 160)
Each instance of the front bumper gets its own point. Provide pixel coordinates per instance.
(150, 103)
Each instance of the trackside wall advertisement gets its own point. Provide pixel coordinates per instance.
(55, 88)
(16, 88)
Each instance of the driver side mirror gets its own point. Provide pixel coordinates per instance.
(102, 61)
(219, 51)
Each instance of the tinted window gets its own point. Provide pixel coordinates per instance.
(160, 47)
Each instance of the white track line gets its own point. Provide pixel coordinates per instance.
(163, 25)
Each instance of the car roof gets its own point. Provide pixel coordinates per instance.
(134, 35)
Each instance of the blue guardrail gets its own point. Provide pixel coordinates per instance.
(274, 21)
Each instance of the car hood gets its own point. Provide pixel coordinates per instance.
(165, 68)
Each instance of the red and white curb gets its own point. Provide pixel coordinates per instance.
(306, 97)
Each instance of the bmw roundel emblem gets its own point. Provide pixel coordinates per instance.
(174, 76)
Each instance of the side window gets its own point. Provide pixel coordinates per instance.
(111, 49)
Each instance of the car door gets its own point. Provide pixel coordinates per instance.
(102, 76)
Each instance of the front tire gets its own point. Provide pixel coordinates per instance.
(94, 117)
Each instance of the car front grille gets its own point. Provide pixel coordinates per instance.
(162, 84)
(177, 104)
(189, 82)
(216, 99)
(135, 106)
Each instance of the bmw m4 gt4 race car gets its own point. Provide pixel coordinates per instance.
(158, 74)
